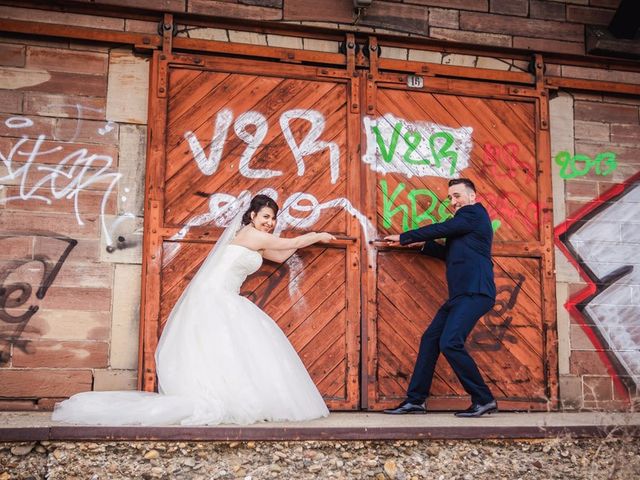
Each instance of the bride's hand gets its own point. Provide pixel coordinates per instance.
(325, 237)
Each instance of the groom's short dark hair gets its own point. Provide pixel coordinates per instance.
(465, 181)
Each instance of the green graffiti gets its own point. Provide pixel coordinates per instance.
(411, 216)
(387, 155)
(443, 151)
(413, 141)
(387, 203)
(572, 166)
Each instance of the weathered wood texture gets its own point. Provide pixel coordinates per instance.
(492, 142)
(254, 121)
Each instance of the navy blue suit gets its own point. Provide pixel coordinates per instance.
(472, 293)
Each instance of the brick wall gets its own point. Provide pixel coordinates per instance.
(554, 26)
(81, 109)
(596, 156)
(72, 140)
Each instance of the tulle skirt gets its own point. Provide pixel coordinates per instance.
(220, 360)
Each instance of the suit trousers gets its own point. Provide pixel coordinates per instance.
(447, 334)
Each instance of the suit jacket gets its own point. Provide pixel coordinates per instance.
(467, 249)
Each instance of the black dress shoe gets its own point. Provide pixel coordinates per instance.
(406, 407)
(476, 410)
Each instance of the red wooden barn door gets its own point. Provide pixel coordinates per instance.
(229, 126)
(416, 139)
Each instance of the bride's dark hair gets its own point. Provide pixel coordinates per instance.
(258, 203)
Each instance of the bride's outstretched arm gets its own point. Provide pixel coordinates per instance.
(283, 246)
(278, 256)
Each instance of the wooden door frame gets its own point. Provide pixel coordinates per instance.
(363, 74)
(155, 233)
(458, 80)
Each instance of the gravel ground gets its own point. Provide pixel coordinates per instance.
(558, 458)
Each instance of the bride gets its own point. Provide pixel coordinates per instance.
(220, 358)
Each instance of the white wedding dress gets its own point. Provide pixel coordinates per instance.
(220, 359)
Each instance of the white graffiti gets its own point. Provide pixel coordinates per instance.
(607, 244)
(107, 128)
(310, 144)
(224, 207)
(253, 141)
(209, 165)
(38, 179)
(18, 122)
(395, 145)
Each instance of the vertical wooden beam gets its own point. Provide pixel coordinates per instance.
(545, 215)
(152, 239)
(167, 34)
(369, 266)
(353, 250)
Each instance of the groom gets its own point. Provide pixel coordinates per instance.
(472, 293)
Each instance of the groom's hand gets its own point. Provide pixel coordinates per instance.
(393, 240)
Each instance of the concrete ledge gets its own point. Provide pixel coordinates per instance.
(340, 426)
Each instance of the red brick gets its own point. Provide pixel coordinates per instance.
(328, 10)
(572, 207)
(10, 101)
(65, 60)
(44, 382)
(602, 112)
(232, 10)
(588, 15)
(546, 45)
(51, 16)
(475, 5)
(88, 202)
(605, 3)
(17, 405)
(17, 247)
(61, 224)
(591, 97)
(621, 100)
(71, 298)
(61, 82)
(591, 131)
(601, 74)
(470, 37)
(69, 325)
(12, 55)
(177, 6)
(624, 154)
(587, 363)
(604, 187)
(581, 189)
(140, 26)
(65, 106)
(629, 390)
(263, 3)
(72, 130)
(33, 126)
(607, 405)
(55, 354)
(86, 250)
(579, 339)
(70, 152)
(486, 22)
(510, 7)
(93, 275)
(546, 10)
(406, 18)
(439, 17)
(629, 134)
(597, 389)
(47, 404)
